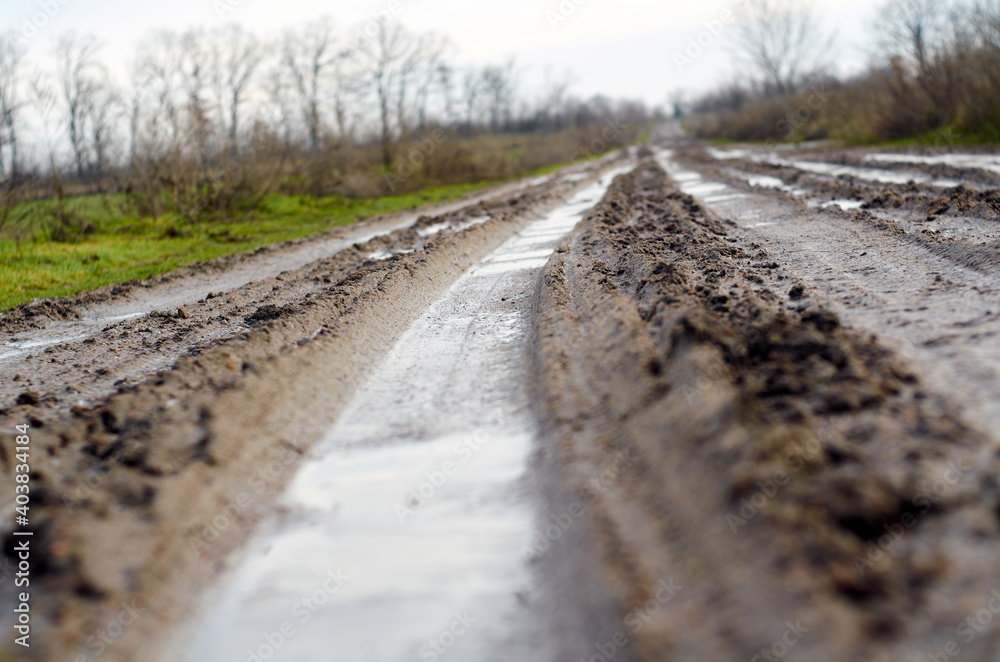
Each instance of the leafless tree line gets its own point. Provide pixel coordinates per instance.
(206, 98)
(932, 65)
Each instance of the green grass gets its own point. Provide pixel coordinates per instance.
(117, 248)
(111, 246)
(944, 137)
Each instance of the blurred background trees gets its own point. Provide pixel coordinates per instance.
(933, 75)
(206, 122)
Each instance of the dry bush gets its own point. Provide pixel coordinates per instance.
(955, 85)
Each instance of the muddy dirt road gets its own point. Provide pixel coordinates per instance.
(732, 403)
(145, 480)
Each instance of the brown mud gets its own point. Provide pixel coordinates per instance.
(767, 426)
(141, 492)
(773, 450)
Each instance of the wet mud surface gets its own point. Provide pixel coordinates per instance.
(758, 397)
(160, 442)
(70, 352)
(788, 472)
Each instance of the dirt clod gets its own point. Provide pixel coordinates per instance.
(28, 398)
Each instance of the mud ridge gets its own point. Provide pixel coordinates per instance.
(771, 451)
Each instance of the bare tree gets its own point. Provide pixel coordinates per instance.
(985, 19)
(430, 68)
(78, 73)
(180, 75)
(103, 113)
(11, 55)
(499, 87)
(471, 91)
(446, 82)
(135, 106)
(552, 103)
(308, 57)
(278, 93)
(198, 67)
(159, 75)
(239, 57)
(388, 62)
(44, 100)
(349, 89)
(783, 41)
(911, 28)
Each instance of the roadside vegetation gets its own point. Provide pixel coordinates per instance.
(933, 78)
(223, 140)
(114, 247)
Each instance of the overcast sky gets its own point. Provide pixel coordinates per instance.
(617, 47)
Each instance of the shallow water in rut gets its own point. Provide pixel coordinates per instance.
(404, 539)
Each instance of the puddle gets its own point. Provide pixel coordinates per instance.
(691, 182)
(35, 344)
(705, 188)
(383, 254)
(537, 181)
(728, 154)
(465, 225)
(868, 174)
(724, 198)
(60, 333)
(432, 230)
(509, 266)
(764, 181)
(524, 255)
(836, 170)
(410, 523)
(684, 176)
(989, 162)
(843, 204)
